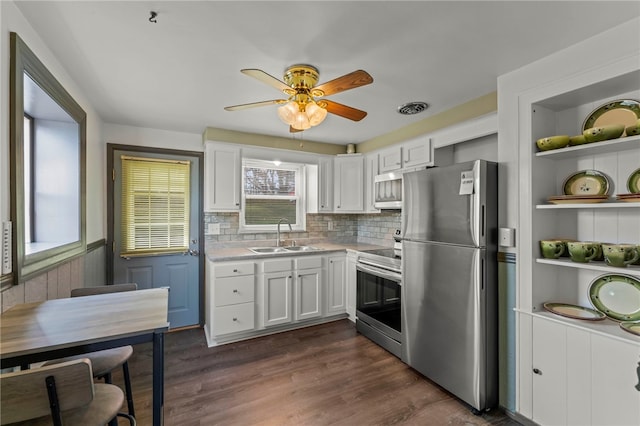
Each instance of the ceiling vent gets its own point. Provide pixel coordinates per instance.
(412, 108)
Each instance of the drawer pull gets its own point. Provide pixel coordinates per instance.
(235, 270)
(235, 290)
(537, 371)
(235, 319)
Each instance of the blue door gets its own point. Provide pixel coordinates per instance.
(156, 227)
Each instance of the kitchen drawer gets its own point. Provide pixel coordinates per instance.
(234, 269)
(234, 318)
(276, 265)
(309, 262)
(234, 290)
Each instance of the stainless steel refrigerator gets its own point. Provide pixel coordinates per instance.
(449, 287)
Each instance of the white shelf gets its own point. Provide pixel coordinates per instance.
(592, 266)
(606, 327)
(615, 145)
(609, 205)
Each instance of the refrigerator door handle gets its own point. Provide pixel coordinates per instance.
(475, 206)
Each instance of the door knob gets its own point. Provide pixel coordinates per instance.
(194, 252)
(537, 371)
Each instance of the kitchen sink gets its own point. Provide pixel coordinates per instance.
(271, 250)
(267, 250)
(302, 248)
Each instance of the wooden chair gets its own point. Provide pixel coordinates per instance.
(105, 362)
(59, 394)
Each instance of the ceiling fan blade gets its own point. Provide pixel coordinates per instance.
(343, 110)
(348, 81)
(255, 104)
(268, 79)
(294, 130)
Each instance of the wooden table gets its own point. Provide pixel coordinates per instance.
(35, 332)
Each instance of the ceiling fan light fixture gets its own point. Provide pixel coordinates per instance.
(301, 121)
(288, 111)
(315, 113)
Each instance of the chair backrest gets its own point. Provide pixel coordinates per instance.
(23, 394)
(102, 289)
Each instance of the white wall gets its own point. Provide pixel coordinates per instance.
(141, 136)
(484, 148)
(11, 19)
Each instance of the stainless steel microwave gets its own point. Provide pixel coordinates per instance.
(388, 191)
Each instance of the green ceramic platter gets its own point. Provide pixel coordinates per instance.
(617, 296)
(625, 104)
(574, 311)
(586, 182)
(633, 183)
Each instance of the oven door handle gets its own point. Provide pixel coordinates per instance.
(380, 273)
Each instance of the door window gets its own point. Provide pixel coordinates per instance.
(155, 206)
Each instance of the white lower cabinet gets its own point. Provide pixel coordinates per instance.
(582, 378)
(230, 306)
(337, 289)
(275, 289)
(308, 286)
(351, 284)
(247, 299)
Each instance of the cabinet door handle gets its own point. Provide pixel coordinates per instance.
(235, 319)
(537, 371)
(235, 290)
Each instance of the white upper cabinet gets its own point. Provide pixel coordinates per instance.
(411, 154)
(390, 159)
(325, 185)
(417, 153)
(349, 183)
(370, 172)
(222, 176)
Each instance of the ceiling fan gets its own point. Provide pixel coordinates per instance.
(302, 110)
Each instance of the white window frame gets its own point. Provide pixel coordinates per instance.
(301, 216)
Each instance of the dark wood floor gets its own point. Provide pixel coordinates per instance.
(322, 375)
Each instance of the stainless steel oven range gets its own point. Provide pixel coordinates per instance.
(378, 301)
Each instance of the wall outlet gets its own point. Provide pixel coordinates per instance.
(213, 229)
(330, 225)
(6, 248)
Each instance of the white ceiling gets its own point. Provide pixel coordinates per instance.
(179, 73)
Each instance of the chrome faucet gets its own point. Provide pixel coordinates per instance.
(284, 219)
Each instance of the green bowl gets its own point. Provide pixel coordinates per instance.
(603, 133)
(633, 130)
(552, 142)
(577, 140)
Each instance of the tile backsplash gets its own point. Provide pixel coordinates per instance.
(364, 228)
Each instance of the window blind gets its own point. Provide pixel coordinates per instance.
(155, 206)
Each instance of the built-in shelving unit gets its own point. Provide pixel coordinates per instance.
(592, 266)
(604, 147)
(564, 362)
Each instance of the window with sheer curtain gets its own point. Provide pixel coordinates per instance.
(155, 206)
(270, 193)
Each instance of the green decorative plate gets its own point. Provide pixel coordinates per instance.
(586, 182)
(621, 111)
(574, 311)
(632, 327)
(633, 183)
(617, 296)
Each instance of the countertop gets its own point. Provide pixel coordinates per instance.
(243, 253)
